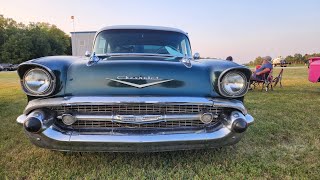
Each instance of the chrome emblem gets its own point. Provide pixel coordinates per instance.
(138, 78)
(138, 118)
(120, 79)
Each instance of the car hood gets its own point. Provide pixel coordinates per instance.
(138, 77)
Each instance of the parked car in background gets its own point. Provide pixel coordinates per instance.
(140, 90)
(314, 69)
(13, 67)
(5, 66)
(280, 61)
(8, 67)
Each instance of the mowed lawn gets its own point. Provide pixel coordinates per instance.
(284, 143)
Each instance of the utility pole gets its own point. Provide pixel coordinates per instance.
(74, 41)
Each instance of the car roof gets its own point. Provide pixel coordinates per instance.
(314, 58)
(160, 28)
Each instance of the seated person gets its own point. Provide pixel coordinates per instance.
(266, 67)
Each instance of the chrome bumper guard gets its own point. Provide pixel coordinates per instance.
(53, 138)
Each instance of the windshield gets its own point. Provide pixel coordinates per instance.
(142, 41)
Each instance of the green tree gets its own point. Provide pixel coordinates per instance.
(48, 40)
(298, 59)
(289, 59)
(17, 49)
(19, 42)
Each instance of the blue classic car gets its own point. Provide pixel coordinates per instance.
(140, 90)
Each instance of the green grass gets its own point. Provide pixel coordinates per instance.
(284, 143)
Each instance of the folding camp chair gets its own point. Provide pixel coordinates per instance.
(278, 79)
(265, 82)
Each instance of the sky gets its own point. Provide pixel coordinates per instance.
(243, 29)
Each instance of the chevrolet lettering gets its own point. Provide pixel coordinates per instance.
(138, 78)
(139, 90)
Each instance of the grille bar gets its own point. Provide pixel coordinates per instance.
(136, 118)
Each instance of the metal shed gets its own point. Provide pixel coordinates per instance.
(81, 42)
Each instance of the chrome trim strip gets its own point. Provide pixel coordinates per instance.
(140, 85)
(107, 100)
(157, 138)
(136, 55)
(138, 119)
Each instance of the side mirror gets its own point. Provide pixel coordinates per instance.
(196, 56)
(87, 54)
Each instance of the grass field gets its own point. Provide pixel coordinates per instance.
(284, 143)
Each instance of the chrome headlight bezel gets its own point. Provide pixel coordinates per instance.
(221, 85)
(49, 90)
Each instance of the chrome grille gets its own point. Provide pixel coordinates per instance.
(139, 109)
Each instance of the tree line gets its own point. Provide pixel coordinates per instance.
(295, 59)
(20, 42)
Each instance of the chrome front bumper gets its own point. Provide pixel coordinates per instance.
(54, 138)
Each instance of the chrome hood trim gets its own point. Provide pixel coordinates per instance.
(139, 85)
(107, 100)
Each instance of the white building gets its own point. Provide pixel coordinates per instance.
(81, 42)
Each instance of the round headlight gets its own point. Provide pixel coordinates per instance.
(234, 84)
(37, 81)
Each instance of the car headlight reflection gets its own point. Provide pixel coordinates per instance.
(37, 81)
(234, 84)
